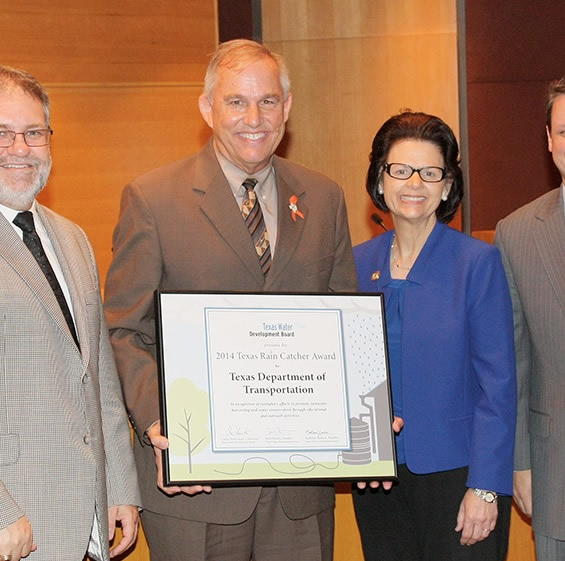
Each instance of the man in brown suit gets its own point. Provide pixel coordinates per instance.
(181, 227)
(532, 242)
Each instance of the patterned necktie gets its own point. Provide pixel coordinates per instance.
(253, 216)
(24, 220)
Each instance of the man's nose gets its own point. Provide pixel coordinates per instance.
(253, 115)
(19, 145)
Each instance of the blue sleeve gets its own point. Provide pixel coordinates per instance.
(491, 347)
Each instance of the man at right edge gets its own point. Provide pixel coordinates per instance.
(532, 243)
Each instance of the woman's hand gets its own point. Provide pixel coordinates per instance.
(397, 424)
(476, 518)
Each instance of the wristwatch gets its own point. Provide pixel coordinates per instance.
(487, 496)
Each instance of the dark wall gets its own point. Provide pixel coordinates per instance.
(239, 19)
(514, 49)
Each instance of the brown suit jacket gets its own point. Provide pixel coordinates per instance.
(532, 243)
(180, 228)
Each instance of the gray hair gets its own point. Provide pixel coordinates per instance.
(15, 79)
(236, 55)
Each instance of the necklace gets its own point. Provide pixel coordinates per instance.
(395, 258)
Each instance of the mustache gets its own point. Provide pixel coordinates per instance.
(24, 160)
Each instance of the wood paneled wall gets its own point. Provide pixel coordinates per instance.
(124, 77)
(109, 41)
(512, 55)
(353, 64)
(105, 136)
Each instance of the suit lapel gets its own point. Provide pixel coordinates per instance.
(18, 256)
(220, 206)
(67, 254)
(289, 231)
(549, 238)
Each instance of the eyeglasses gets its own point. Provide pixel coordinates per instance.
(429, 174)
(33, 137)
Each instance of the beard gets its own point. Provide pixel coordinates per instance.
(20, 193)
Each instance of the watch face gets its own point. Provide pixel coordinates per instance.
(487, 496)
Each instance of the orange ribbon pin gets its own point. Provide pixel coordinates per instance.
(294, 212)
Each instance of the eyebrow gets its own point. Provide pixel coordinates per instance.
(31, 126)
(241, 96)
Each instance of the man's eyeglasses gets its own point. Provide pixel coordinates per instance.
(429, 174)
(33, 137)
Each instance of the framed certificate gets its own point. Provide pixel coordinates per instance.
(274, 388)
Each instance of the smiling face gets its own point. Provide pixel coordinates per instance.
(414, 200)
(247, 113)
(23, 170)
(556, 137)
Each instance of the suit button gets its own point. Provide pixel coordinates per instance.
(86, 439)
(85, 379)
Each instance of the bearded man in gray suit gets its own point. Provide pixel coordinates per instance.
(67, 474)
(532, 242)
(182, 227)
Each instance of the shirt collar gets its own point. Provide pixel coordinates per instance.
(237, 176)
(10, 213)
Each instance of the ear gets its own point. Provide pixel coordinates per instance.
(549, 140)
(205, 106)
(286, 107)
(447, 189)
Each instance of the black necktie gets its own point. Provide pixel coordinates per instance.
(253, 216)
(24, 220)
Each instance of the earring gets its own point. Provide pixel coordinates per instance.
(380, 190)
(444, 197)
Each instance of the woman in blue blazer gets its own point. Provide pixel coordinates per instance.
(451, 353)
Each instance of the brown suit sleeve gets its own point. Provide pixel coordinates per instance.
(134, 275)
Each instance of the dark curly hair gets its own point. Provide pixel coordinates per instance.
(417, 126)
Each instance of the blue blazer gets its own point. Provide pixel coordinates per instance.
(458, 365)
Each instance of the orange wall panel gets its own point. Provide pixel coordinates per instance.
(354, 64)
(104, 137)
(109, 40)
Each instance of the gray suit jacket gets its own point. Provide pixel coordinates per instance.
(532, 242)
(180, 228)
(65, 446)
